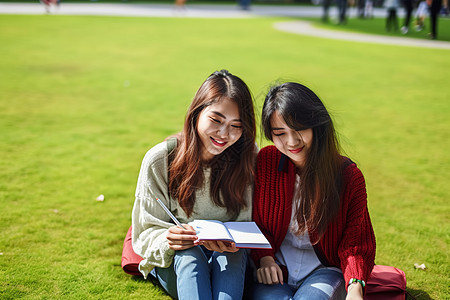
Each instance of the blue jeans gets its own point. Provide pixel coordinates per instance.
(198, 273)
(323, 283)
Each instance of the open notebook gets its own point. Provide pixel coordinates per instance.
(243, 234)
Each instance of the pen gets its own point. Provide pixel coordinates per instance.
(169, 213)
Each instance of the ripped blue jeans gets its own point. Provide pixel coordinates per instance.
(198, 273)
(321, 284)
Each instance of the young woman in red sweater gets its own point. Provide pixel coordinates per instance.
(311, 204)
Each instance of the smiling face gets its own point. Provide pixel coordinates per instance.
(292, 143)
(219, 126)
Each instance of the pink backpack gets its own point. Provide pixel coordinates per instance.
(386, 283)
(130, 260)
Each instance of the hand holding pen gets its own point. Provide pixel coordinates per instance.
(180, 236)
(184, 236)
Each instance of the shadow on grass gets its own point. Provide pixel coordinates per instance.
(141, 279)
(418, 294)
(150, 279)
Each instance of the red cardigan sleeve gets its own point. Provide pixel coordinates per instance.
(356, 249)
(272, 200)
(261, 203)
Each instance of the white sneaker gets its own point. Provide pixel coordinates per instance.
(404, 29)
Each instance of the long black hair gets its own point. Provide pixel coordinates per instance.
(321, 176)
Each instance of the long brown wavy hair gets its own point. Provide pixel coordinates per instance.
(321, 176)
(232, 170)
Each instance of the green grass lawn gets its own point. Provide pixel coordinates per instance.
(83, 98)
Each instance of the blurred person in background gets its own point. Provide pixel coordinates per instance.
(48, 4)
(435, 8)
(326, 7)
(408, 5)
(361, 8)
(368, 9)
(444, 10)
(244, 4)
(180, 6)
(342, 11)
(391, 18)
(421, 14)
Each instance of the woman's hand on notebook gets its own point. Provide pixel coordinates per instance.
(181, 239)
(220, 246)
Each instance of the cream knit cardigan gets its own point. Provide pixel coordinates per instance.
(150, 222)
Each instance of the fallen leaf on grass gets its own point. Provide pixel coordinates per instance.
(100, 198)
(417, 266)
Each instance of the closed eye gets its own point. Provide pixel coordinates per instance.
(278, 134)
(215, 120)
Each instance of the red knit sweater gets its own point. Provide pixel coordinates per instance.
(349, 241)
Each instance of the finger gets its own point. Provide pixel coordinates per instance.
(227, 246)
(264, 277)
(175, 230)
(179, 230)
(210, 245)
(214, 246)
(180, 242)
(258, 275)
(280, 275)
(206, 245)
(222, 246)
(189, 228)
(177, 233)
(175, 236)
(261, 276)
(267, 276)
(180, 246)
(274, 274)
(233, 248)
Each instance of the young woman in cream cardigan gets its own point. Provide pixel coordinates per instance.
(209, 176)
